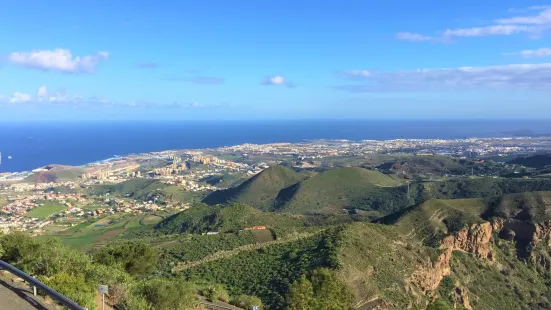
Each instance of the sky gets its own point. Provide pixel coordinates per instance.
(242, 59)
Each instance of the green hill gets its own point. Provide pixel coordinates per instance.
(350, 188)
(56, 173)
(258, 191)
(202, 218)
(434, 218)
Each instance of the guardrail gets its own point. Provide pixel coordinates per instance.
(46, 289)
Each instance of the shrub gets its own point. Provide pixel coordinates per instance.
(137, 258)
(165, 294)
(73, 287)
(216, 292)
(246, 302)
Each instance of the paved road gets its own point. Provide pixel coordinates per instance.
(15, 296)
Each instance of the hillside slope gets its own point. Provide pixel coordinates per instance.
(349, 188)
(258, 191)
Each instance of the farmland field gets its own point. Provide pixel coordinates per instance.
(48, 208)
(100, 231)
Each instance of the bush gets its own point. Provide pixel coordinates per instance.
(246, 302)
(73, 287)
(137, 258)
(323, 290)
(216, 292)
(438, 304)
(165, 294)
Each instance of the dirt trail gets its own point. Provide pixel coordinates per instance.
(238, 250)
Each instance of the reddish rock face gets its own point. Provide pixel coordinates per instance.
(474, 239)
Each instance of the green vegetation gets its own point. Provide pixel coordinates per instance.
(268, 272)
(202, 218)
(312, 254)
(138, 259)
(45, 209)
(147, 189)
(260, 190)
(349, 188)
(322, 290)
(99, 231)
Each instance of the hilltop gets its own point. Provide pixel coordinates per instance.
(258, 191)
(55, 173)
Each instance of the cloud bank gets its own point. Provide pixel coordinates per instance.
(60, 60)
(506, 77)
(532, 24)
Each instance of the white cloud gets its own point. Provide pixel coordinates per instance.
(507, 77)
(543, 18)
(43, 96)
(534, 25)
(486, 31)
(274, 80)
(413, 37)
(356, 74)
(42, 92)
(541, 52)
(60, 60)
(18, 97)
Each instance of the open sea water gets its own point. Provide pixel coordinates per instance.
(35, 144)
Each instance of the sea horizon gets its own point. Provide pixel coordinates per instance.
(33, 144)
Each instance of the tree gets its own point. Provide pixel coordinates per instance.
(301, 295)
(438, 304)
(165, 294)
(137, 258)
(329, 291)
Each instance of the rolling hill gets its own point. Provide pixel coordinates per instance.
(348, 188)
(438, 252)
(202, 218)
(56, 173)
(258, 191)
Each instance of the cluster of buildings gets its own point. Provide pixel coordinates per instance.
(27, 203)
(470, 147)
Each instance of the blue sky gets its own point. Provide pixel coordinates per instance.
(245, 59)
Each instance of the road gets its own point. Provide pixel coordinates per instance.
(17, 296)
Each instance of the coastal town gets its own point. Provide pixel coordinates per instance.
(68, 195)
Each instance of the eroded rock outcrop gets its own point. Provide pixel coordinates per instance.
(474, 239)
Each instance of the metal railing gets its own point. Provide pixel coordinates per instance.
(37, 284)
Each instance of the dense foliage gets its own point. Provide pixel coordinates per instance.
(137, 258)
(232, 218)
(269, 272)
(321, 290)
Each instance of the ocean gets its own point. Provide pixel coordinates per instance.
(34, 144)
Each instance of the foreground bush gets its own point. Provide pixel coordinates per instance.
(69, 272)
(168, 294)
(246, 302)
(137, 258)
